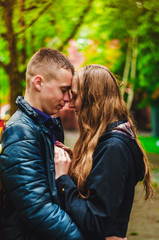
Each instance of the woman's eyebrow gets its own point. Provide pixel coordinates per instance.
(73, 92)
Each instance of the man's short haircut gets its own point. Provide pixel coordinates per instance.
(45, 62)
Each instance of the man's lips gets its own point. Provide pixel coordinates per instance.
(61, 106)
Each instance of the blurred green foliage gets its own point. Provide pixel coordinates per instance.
(150, 144)
(104, 32)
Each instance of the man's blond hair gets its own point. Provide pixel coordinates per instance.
(46, 62)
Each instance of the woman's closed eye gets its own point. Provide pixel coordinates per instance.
(74, 95)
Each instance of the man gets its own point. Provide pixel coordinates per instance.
(31, 204)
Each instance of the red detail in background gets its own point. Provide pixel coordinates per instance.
(1, 123)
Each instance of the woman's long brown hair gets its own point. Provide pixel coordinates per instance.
(102, 102)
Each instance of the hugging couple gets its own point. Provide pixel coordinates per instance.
(52, 192)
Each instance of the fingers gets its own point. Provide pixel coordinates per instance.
(60, 144)
(62, 162)
(61, 154)
(67, 149)
(115, 238)
(61, 158)
(66, 155)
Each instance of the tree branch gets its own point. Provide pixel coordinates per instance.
(34, 20)
(1, 3)
(4, 36)
(77, 25)
(4, 66)
(127, 66)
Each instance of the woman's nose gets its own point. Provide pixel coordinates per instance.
(71, 104)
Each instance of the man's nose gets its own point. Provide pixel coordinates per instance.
(66, 97)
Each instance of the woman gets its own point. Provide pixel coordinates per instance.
(107, 162)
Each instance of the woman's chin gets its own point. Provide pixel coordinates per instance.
(76, 113)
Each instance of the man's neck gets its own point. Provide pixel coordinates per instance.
(32, 101)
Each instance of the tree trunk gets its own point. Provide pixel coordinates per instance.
(127, 67)
(23, 54)
(12, 69)
(133, 72)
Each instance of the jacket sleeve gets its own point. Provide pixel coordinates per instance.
(96, 215)
(23, 172)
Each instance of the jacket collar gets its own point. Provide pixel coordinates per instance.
(25, 107)
(115, 124)
(29, 110)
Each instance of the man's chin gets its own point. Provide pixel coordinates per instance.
(55, 113)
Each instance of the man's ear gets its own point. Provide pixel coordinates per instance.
(37, 82)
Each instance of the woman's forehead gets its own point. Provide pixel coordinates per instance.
(74, 85)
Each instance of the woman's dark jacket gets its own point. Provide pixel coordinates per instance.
(31, 208)
(117, 167)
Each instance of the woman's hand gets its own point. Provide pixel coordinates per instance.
(62, 162)
(67, 149)
(115, 238)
